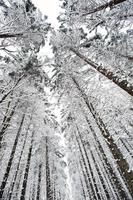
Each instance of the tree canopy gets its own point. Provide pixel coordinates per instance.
(66, 122)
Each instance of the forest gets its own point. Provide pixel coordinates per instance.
(66, 121)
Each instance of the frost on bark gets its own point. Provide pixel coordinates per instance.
(120, 160)
(18, 165)
(6, 175)
(104, 6)
(118, 80)
(39, 182)
(49, 192)
(25, 178)
(7, 119)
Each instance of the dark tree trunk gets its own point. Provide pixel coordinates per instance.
(88, 175)
(54, 191)
(49, 195)
(8, 35)
(11, 90)
(18, 165)
(121, 162)
(108, 168)
(7, 119)
(98, 170)
(104, 6)
(25, 179)
(39, 182)
(122, 83)
(6, 175)
(33, 191)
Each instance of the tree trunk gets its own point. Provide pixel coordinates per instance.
(11, 90)
(97, 169)
(6, 175)
(88, 173)
(39, 182)
(115, 183)
(121, 162)
(18, 165)
(7, 119)
(121, 82)
(104, 6)
(8, 35)
(24, 185)
(48, 176)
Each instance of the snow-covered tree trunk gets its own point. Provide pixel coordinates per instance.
(122, 82)
(49, 192)
(6, 175)
(120, 160)
(25, 178)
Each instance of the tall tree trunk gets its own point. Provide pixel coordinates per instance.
(89, 174)
(82, 185)
(104, 6)
(11, 35)
(11, 90)
(78, 164)
(117, 188)
(97, 169)
(25, 179)
(7, 119)
(54, 190)
(121, 162)
(121, 82)
(6, 175)
(48, 176)
(39, 182)
(33, 191)
(18, 165)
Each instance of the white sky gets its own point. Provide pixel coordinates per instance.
(50, 8)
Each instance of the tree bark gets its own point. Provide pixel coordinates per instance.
(88, 172)
(24, 185)
(39, 182)
(121, 82)
(8, 35)
(104, 6)
(98, 171)
(121, 162)
(7, 119)
(11, 90)
(115, 183)
(18, 165)
(49, 195)
(6, 175)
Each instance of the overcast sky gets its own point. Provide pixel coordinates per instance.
(50, 8)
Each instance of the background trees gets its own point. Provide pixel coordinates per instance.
(78, 144)
(93, 40)
(27, 124)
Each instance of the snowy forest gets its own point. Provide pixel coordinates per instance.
(66, 121)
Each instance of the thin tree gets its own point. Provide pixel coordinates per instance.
(120, 160)
(18, 165)
(39, 182)
(25, 179)
(49, 194)
(6, 175)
